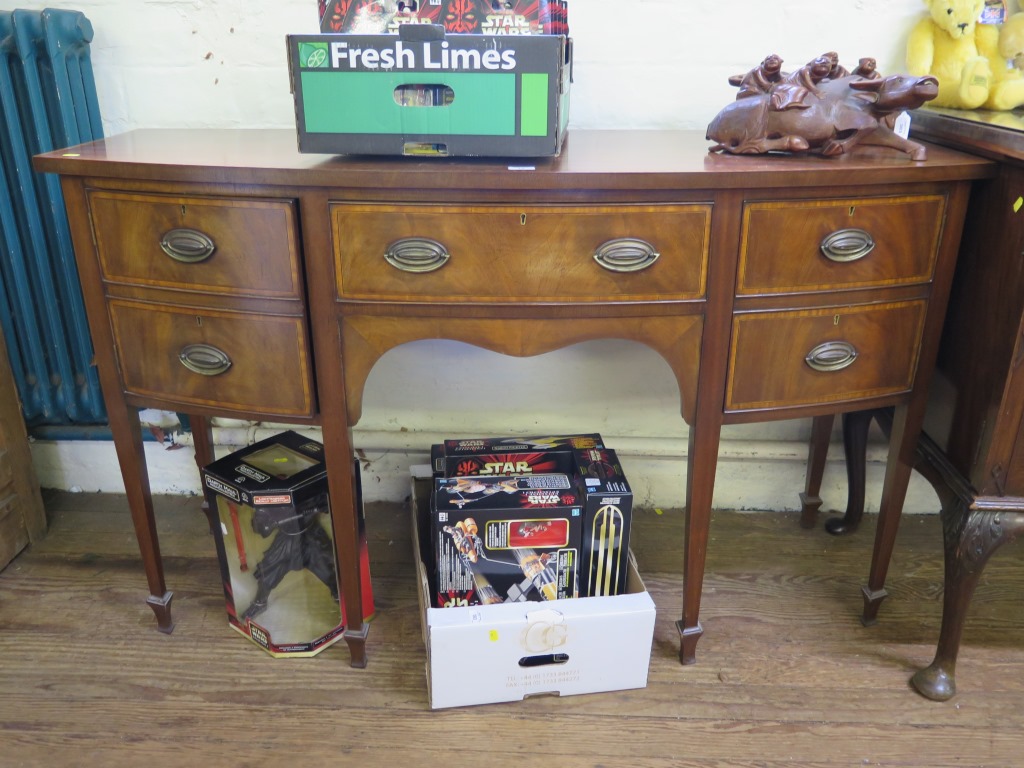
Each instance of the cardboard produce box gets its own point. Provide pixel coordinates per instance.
(427, 93)
(485, 654)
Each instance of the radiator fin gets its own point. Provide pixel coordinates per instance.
(47, 101)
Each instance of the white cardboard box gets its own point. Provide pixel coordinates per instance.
(483, 654)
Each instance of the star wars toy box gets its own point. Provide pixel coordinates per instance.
(505, 539)
(269, 512)
(510, 455)
(596, 471)
(428, 92)
(508, 651)
(489, 17)
(607, 516)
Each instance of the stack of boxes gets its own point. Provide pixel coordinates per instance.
(524, 522)
(527, 519)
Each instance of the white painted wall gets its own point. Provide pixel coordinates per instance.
(639, 64)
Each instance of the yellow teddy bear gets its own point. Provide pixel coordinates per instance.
(964, 55)
(1011, 40)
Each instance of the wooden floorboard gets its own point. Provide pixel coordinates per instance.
(786, 675)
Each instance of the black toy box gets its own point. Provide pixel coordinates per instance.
(608, 510)
(502, 539)
(509, 455)
(269, 511)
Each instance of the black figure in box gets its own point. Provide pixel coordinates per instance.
(301, 543)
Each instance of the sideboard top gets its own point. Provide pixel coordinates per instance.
(590, 159)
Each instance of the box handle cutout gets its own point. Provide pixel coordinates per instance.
(423, 95)
(544, 660)
(425, 148)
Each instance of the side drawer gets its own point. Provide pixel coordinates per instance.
(803, 357)
(490, 253)
(790, 246)
(229, 360)
(243, 246)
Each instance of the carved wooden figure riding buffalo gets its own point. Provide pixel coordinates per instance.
(832, 118)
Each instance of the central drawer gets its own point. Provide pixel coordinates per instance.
(493, 253)
(804, 357)
(792, 246)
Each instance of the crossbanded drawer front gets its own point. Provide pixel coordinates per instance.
(218, 245)
(231, 360)
(493, 253)
(792, 358)
(790, 246)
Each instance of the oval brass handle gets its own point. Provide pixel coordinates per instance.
(626, 254)
(847, 245)
(204, 359)
(416, 254)
(187, 245)
(831, 356)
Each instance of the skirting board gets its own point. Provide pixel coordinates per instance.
(752, 475)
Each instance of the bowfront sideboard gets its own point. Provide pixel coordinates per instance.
(227, 274)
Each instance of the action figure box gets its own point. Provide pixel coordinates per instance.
(478, 445)
(509, 455)
(425, 92)
(484, 654)
(488, 17)
(269, 511)
(607, 515)
(505, 539)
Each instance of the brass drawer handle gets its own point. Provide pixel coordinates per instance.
(845, 245)
(416, 254)
(626, 254)
(204, 359)
(831, 356)
(188, 246)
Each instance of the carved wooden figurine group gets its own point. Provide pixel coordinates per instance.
(821, 107)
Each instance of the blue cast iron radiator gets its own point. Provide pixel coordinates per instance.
(47, 101)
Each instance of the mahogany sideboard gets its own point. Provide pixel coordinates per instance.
(227, 274)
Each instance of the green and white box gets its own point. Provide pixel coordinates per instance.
(424, 92)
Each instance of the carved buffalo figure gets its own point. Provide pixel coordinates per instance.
(832, 118)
